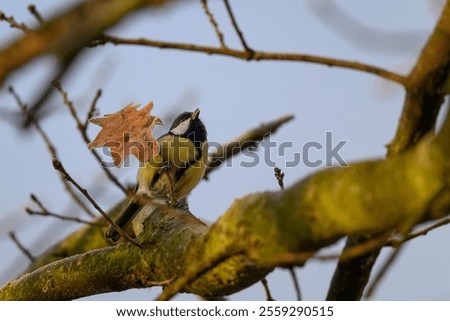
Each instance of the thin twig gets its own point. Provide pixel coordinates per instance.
(382, 272)
(267, 289)
(36, 200)
(214, 23)
(82, 128)
(405, 230)
(35, 13)
(397, 245)
(63, 217)
(299, 258)
(397, 242)
(358, 250)
(279, 175)
(59, 167)
(24, 250)
(248, 50)
(257, 55)
(45, 212)
(40, 109)
(296, 284)
(195, 272)
(250, 139)
(92, 111)
(51, 148)
(68, 103)
(13, 23)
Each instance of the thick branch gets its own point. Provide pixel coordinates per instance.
(67, 32)
(256, 230)
(424, 96)
(425, 88)
(91, 237)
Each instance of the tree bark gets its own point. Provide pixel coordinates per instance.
(259, 231)
(425, 92)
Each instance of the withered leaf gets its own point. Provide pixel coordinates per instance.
(127, 132)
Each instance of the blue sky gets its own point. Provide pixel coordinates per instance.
(233, 95)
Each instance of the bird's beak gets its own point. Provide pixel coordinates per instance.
(195, 114)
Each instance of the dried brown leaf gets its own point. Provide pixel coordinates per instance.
(128, 132)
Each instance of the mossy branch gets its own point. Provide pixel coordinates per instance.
(425, 90)
(91, 237)
(257, 230)
(425, 87)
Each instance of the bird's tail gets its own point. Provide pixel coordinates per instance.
(123, 219)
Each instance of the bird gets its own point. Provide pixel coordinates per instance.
(172, 173)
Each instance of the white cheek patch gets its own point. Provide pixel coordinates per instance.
(181, 128)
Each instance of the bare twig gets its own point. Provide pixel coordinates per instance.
(382, 272)
(24, 109)
(405, 231)
(266, 289)
(68, 32)
(279, 175)
(350, 252)
(257, 55)
(200, 268)
(214, 23)
(34, 11)
(13, 23)
(69, 104)
(296, 284)
(82, 128)
(368, 245)
(59, 167)
(397, 245)
(45, 212)
(92, 109)
(51, 148)
(36, 200)
(362, 249)
(397, 242)
(249, 139)
(63, 217)
(248, 50)
(24, 250)
(39, 108)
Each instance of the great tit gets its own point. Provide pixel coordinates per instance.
(173, 172)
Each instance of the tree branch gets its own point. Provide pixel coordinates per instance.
(68, 32)
(22, 248)
(214, 23)
(240, 34)
(89, 238)
(82, 129)
(59, 167)
(256, 56)
(249, 139)
(13, 23)
(51, 148)
(425, 88)
(425, 93)
(312, 213)
(35, 13)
